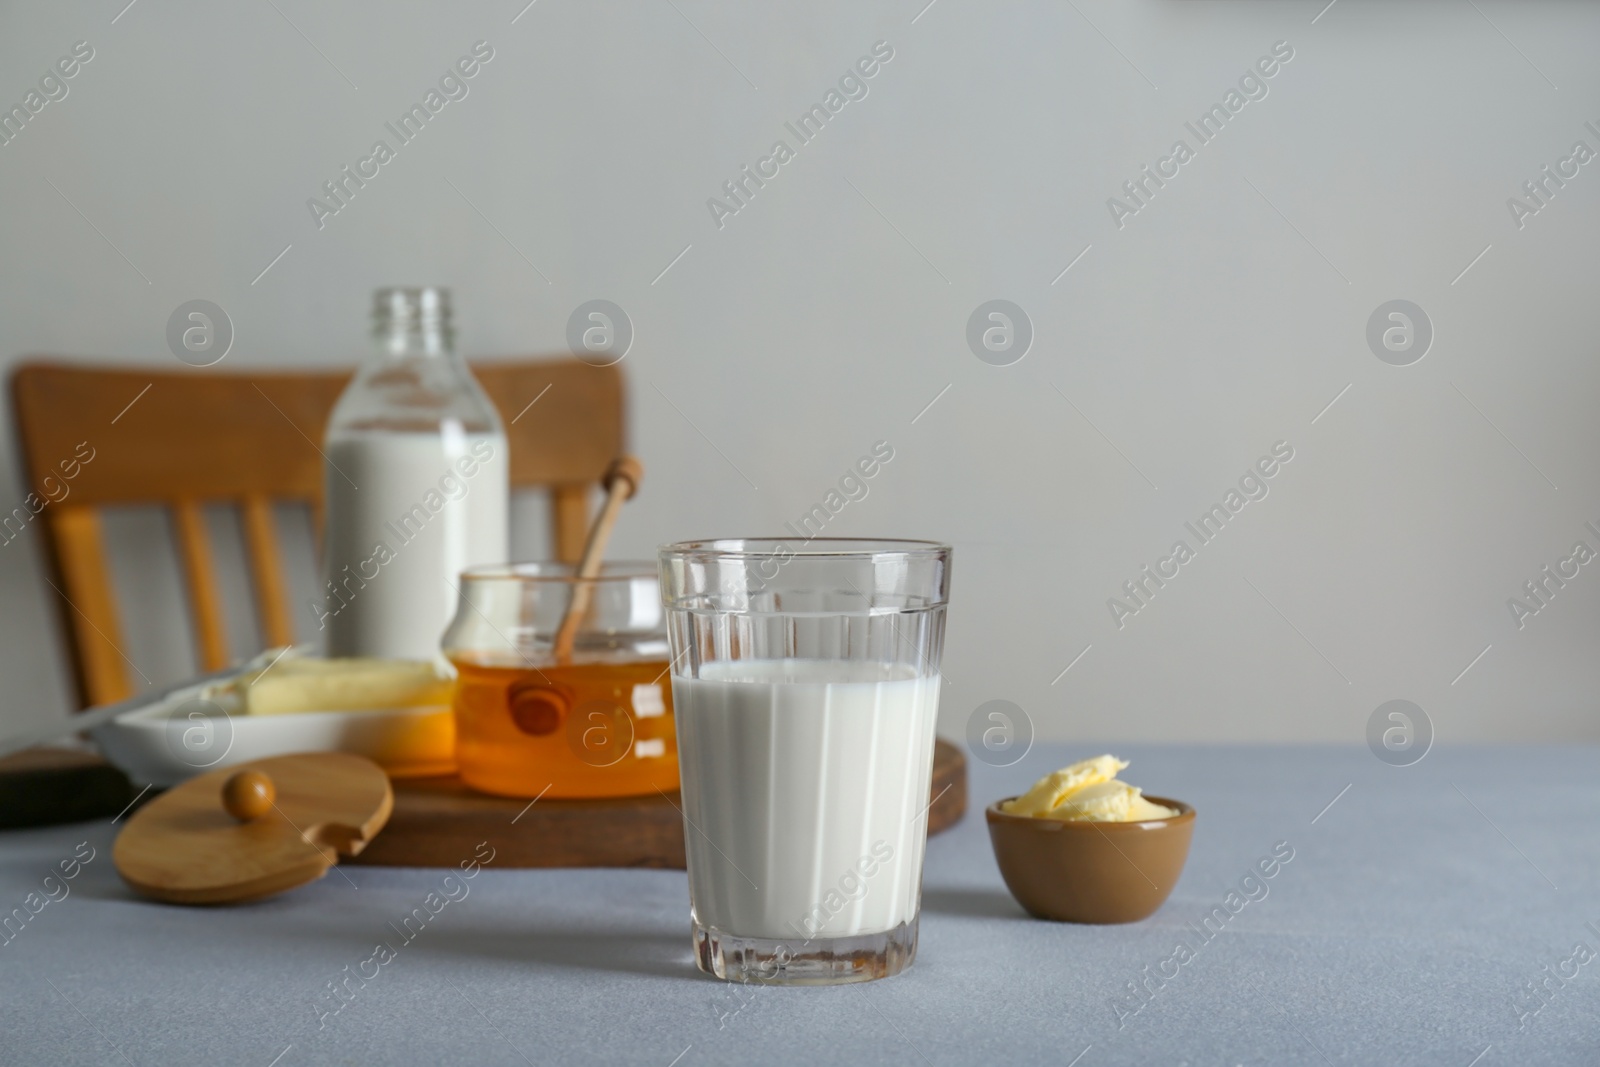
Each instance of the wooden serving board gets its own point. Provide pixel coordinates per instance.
(438, 822)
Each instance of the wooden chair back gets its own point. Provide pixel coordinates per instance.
(96, 436)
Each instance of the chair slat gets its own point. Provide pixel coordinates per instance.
(194, 545)
(266, 570)
(569, 507)
(79, 554)
(215, 435)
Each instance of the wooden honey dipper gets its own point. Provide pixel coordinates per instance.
(621, 482)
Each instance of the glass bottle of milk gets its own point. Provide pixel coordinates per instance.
(416, 485)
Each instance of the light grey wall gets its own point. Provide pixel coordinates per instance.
(773, 350)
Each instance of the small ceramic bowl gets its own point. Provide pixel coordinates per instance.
(1090, 872)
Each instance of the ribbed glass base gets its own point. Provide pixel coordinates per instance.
(819, 961)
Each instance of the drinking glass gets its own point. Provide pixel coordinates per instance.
(530, 721)
(805, 679)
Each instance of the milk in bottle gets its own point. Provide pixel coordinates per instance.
(415, 483)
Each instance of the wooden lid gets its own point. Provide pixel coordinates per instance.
(184, 847)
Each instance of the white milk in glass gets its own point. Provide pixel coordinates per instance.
(406, 513)
(810, 778)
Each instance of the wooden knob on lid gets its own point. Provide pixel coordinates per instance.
(248, 795)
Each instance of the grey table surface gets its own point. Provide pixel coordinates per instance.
(1411, 925)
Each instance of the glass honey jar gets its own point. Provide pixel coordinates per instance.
(533, 720)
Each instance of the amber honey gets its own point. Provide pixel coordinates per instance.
(601, 729)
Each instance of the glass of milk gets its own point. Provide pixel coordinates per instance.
(416, 483)
(805, 680)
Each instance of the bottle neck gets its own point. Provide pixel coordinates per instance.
(412, 323)
(400, 339)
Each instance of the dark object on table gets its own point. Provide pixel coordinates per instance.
(438, 822)
(1090, 872)
(49, 786)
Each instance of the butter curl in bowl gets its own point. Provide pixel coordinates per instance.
(1088, 791)
(1082, 846)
